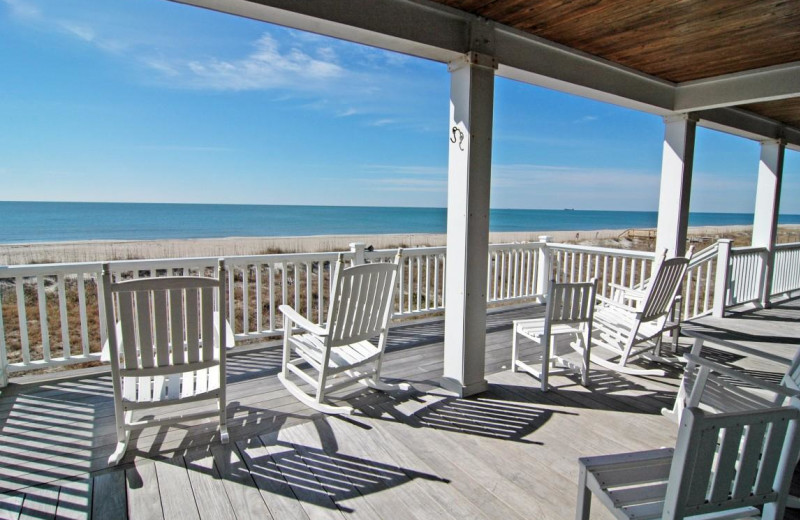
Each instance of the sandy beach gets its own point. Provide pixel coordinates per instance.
(92, 251)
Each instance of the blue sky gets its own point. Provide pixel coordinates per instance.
(151, 101)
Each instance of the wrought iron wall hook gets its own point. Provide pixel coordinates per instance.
(460, 139)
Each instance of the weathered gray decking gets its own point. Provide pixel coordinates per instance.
(508, 453)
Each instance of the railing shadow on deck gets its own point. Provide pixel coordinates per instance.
(48, 439)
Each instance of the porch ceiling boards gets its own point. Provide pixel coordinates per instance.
(673, 41)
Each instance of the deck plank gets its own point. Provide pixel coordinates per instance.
(144, 500)
(109, 497)
(209, 491)
(239, 484)
(175, 488)
(275, 492)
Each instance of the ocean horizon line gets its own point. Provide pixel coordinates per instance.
(36, 222)
(359, 206)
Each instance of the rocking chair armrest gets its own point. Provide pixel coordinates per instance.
(735, 374)
(629, 292)
(619, 305)
(303, 322)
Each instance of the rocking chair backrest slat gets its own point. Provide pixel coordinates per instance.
(160, 313)
(663, 288)
(361, 306)
(571, 302)
(176, 328)
(167, 321)
(726, 461)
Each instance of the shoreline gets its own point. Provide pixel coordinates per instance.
(99, 250)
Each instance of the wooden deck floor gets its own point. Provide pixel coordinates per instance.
(508, 453)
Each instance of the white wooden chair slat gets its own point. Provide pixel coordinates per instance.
(201, 381)
(192, 326)
(771, 456)
(724, 477)
(172, 344)
(748, 464)
(176, 326)
(569, 311)
(173, 386)
(130, 350)
(130, 386)
(207, 319)
(143, 327)
(161, 327)
(706, 452)
(360, 308)
(631, 331)
(188, 385)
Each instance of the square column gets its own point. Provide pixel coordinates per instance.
(765, 218)
(468, 184)
(676, 184)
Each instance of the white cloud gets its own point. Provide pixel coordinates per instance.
(82, 31)
(23, 9)
(267, 67)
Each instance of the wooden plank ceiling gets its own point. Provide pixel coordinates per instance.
(675, 40)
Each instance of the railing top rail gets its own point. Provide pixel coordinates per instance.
(747, 249)
(790, 245)
(646, 255)
(518, 245)
(26, 270)
(410, 251)
(285, 257)
(704, 254)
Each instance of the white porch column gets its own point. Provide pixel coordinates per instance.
(676, 184)
(765, 219)
(469, 171)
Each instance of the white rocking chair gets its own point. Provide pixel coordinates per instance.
(723, 466)
(569, 311)
(168, 347)
(340, 353)
(630, 331)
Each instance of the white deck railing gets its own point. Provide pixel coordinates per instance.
(786, 272)
(51, 313)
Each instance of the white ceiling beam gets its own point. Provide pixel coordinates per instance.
(767, 84)
(409, 27)
(436, 32)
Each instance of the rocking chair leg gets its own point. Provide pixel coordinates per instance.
(584, 496)
(312, 402)
(377, 384)
(624, 369)
(119, 451)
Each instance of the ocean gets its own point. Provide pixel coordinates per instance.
(22, 222)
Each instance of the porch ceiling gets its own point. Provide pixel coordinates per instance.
(674, 41)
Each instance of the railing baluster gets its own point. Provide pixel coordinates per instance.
(427, 282)
(231, 299)
(82, 314)
(43, 322)
(245, 298)
(272, 306)
(62, 310)
(23, 320)
(259, 298)
(436, 281)
(309, 302)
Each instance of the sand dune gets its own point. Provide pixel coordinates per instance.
(98, 250)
